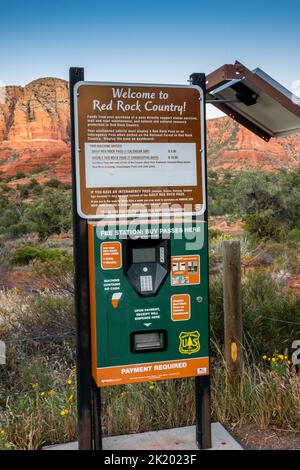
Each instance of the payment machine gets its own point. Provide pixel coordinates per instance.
(149, 302)
(146, 264)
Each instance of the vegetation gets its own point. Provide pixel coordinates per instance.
(271, 316)
(268, 202)
(35, 209)
(25, 254)
(37, 390)
(37, 387)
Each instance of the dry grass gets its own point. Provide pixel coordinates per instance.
(263, 396)
(34, 388)
(36, 417)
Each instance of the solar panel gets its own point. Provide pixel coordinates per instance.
(255, 100)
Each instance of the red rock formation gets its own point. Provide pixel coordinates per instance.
(233, 147)
(34, 134)
(34, 130)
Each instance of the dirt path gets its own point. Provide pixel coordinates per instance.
(252, 438)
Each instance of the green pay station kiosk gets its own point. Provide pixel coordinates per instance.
(139, 169)
(149, 301)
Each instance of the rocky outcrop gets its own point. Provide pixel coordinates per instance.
(35, 137)
(35, 130)
(233, 147)
(39, 111)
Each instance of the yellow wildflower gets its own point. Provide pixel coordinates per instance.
(69, 382)
(151, 387)
(280, 356)
(264, 357)
(71, 397)
(2, 432)
(273, 359)
(42, 394)
(33, 385)
(62, 413)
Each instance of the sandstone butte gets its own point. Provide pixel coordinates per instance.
(35, 138)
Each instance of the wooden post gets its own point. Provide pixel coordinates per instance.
(233, 327)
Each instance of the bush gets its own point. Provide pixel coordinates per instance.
(271, 316)
(25, 254)
(20, 175)
(39, 169)
(270, 203)
(264, 225)
(294, 234)
(16, 230)
(54, 183)
(58, 274)
(51, 213)
(214, 233)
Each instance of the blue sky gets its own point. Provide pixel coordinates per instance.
(157, 41)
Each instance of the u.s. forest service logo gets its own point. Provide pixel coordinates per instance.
(189, 342)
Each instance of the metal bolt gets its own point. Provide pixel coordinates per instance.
(199, 299)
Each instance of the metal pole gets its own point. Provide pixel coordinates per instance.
(202, 384)
(82, 309)
(97, 418)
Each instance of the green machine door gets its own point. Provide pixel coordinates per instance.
(149, 301)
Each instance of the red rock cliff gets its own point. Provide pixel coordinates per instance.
(35, 133)
(34, 130)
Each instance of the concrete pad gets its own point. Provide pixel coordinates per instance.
(167, 439)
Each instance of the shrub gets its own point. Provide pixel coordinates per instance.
(38, 169)
(27, 253)
(54, 183)
(20, 175)
(51, 213)
(15, 230)
(269, 202)
(57, 273)
(294, 234)
(271, 316)
(264, 225)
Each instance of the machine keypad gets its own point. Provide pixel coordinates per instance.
(146, 283)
